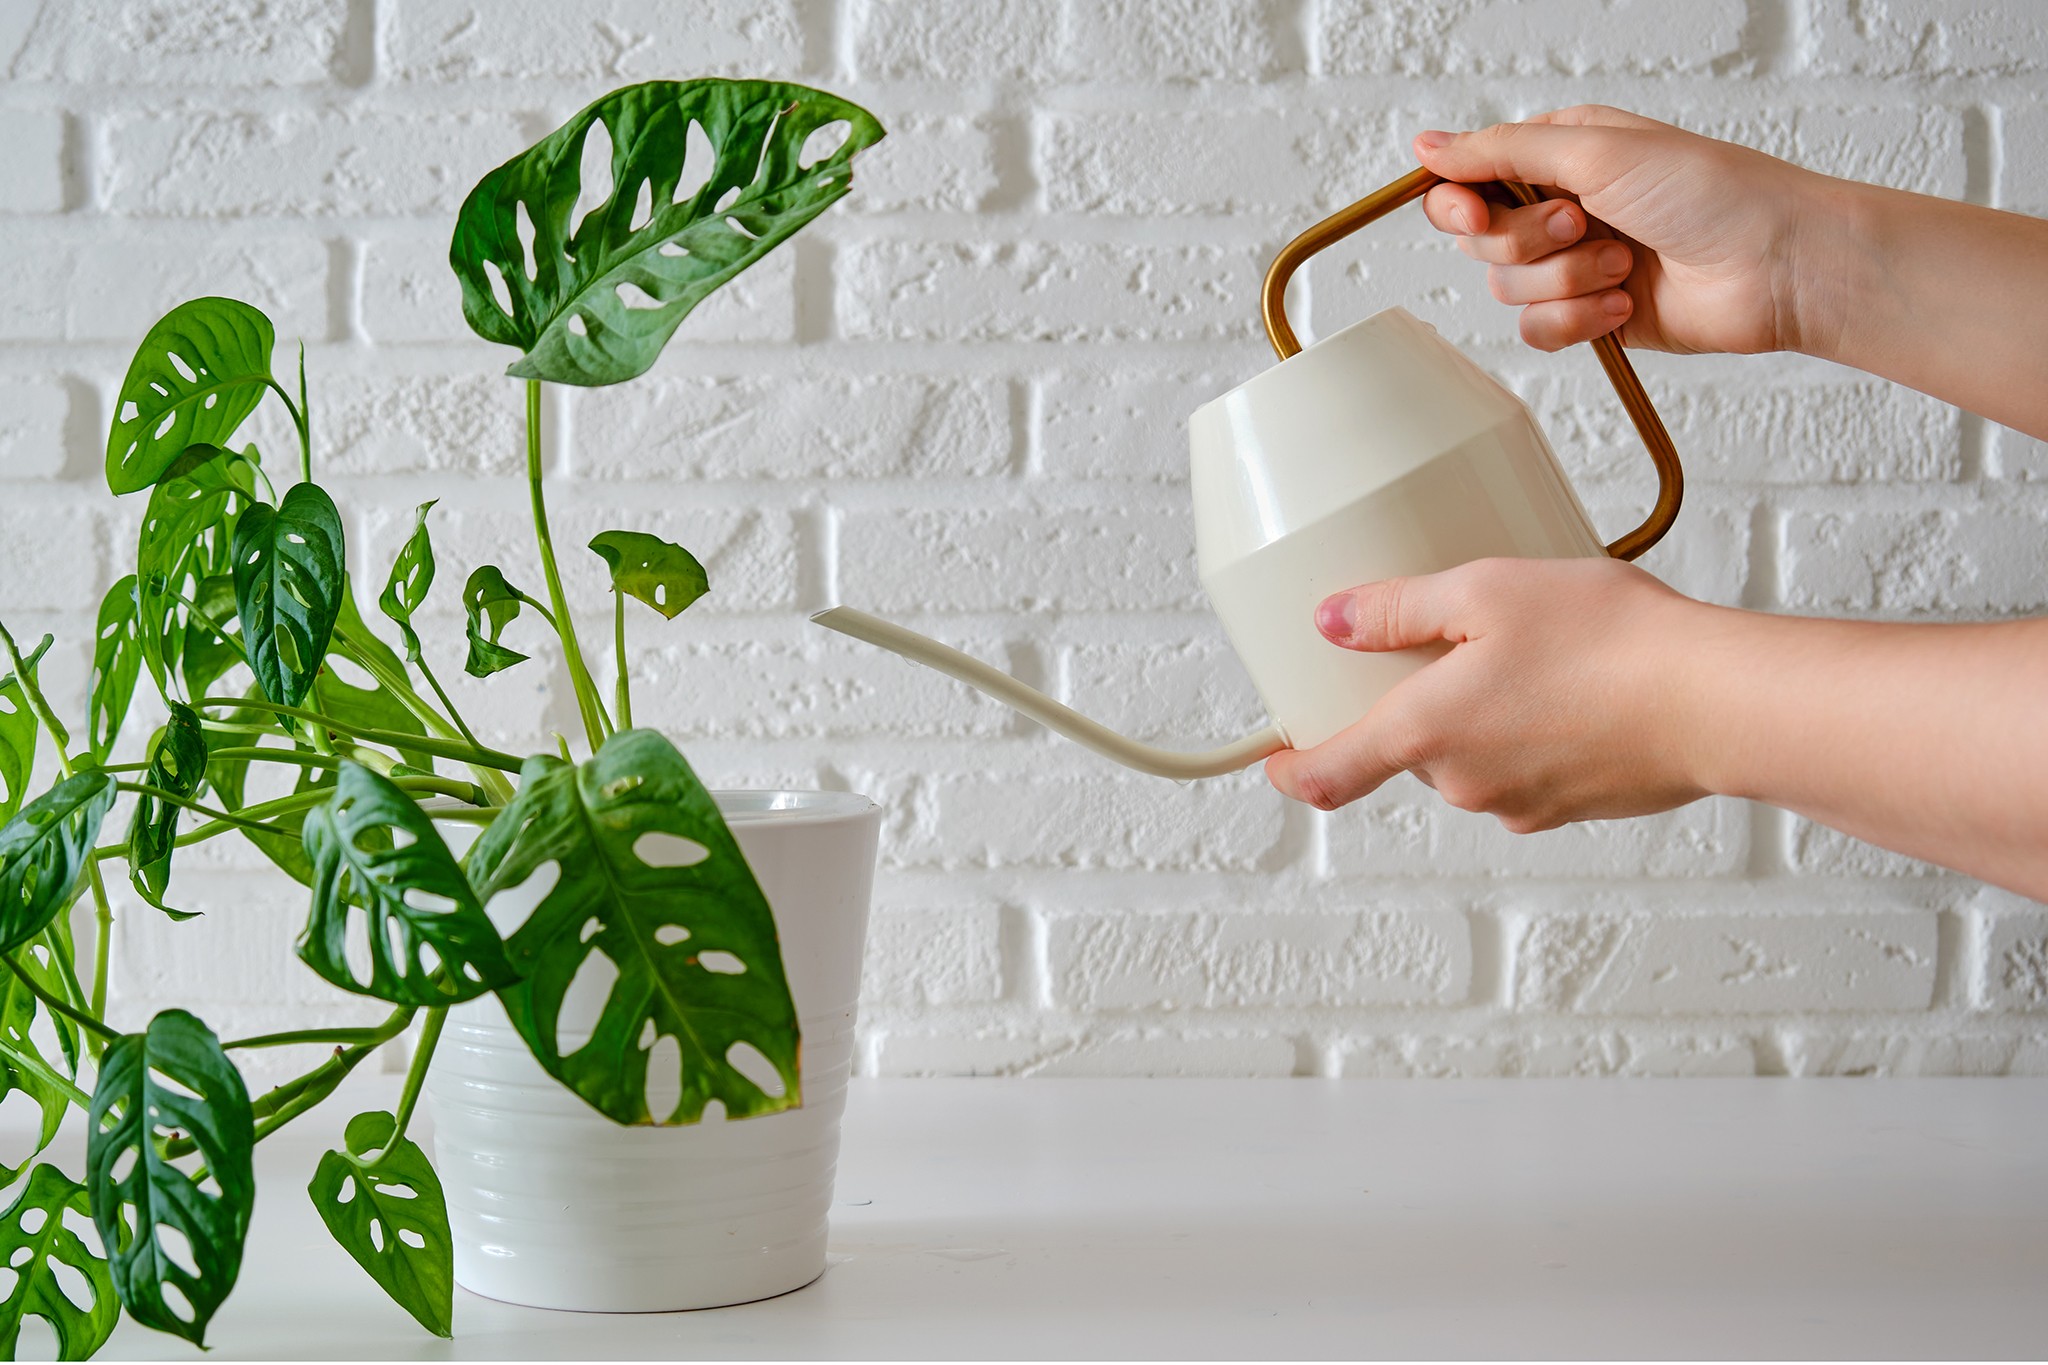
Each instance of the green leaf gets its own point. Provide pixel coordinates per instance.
(172, 1079)
(412, 573)
(35, 1241)
(490, 604)
(368, 707)
(664, 576)
(116, 663)
(209, 657)
(288, 588)
(376, 1198)
(18, 1006)
(647, 875)
(186, 531)
(197, 374)
(177, 764)
(605, 290)
(18, 729)
(43, 853)
(428, 938)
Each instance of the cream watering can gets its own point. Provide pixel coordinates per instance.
(1379, 452)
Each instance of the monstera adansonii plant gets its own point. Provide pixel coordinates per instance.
(239, 598)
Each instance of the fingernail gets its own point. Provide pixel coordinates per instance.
(1436, 137)
(1335, 616)
(1614, 258)
(1615, 304)
(1561, 226)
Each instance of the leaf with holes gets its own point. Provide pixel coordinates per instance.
(288, 588)
(383, 1203)
(197, 374)
(174, 1078)
(43, 853)
(116, 664)
(34, 1241)
(412, 573)
(177, 764)
(592, 293)
(18, 729)
(648, 887)
(429, 941)
(664, 576)
(18, 1007)
(490, 604)
(186, 531)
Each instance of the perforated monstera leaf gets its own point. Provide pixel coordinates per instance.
(186, 531)
(177, 764)
(34, 1241)
(412, 573)
(18, 1006)
(174, 1078)
(383, 1203)
(491, 604)
(376, 855)
(663, 575)
(692, 182)
(642, 872)
(196, 375)
(43, 852)
(116, 664)
(288, 588)
(18, 728)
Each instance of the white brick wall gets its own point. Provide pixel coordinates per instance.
(960, 397)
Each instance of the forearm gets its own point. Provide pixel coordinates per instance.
(1927, 739)
(1940, 296)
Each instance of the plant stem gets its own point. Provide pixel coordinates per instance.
(212, 625)
(268, 754)
(393, 1025)
(416, 1074)
(565, 624)
(298, 419)
(37, 703)
(46, 1073)
(446, 701)
(622, 686)
(395, 684)
(219, 817)
(78, 1017)
(391, 739)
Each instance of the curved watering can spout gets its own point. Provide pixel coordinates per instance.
(1060, 719)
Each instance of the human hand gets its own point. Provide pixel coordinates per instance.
(1706, 232)
(1558, 701)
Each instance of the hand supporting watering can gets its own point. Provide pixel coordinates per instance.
(1562, 683)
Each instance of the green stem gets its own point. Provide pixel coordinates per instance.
(565, 625)
(78, 1017)
(299, 420)
(259, 753)
(446, 701)
(200, 616)
(219, 817)
(622, 686)
(394, 1024)
(46, 1073)
(416, 1074)
(455, 751)
(355, 649)
(37, 703)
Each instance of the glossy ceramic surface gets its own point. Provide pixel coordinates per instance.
(554, 1206)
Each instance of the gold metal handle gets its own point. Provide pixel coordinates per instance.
(1614, 360)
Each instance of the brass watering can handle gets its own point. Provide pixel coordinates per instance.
(1412, 186)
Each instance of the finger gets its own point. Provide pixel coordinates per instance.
(1352, 764)
(1558, 323)
(1586, 268)
(1455, 209)
(1518, 235)
(1583, 159)
(1399, 613)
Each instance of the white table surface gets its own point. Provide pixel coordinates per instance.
(1048, 1218)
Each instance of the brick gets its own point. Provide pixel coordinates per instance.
(1914, 147)
(1144, 1052)
(1038, 291)
(207, 43)
(2023, 164)
(1978, 562)
(1121, 426)
(924, 957)
(1229, 959)
(1501, 38)
(1543, 1053)
(2018, 456)
(1180, 693)
(600, 43)
(791, 678)
(836, 427)
(1194, 40)
(2015, 977)
(1879, 1054)
(1705, 555)
(31, 161)
(1815, 850)
(939, 40)
(1616, 960)
(239, 951)
(411, 295)
(52, 555)
(1100, 818)
(33, 417)
(928, 165)
(301, 163)
(1021, 558)
(420, 424)
(115, 289)
(1906, 37)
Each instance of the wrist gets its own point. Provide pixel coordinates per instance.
(1697, 690)
(1830, 271)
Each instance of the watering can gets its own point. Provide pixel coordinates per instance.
(1380, 451)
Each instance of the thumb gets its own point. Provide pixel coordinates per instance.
(1580, 159)
(1398, 613)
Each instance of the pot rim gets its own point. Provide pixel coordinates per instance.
(785, 806)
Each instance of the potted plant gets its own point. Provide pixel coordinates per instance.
(603, 958)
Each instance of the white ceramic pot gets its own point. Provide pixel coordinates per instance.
(554, 1206)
